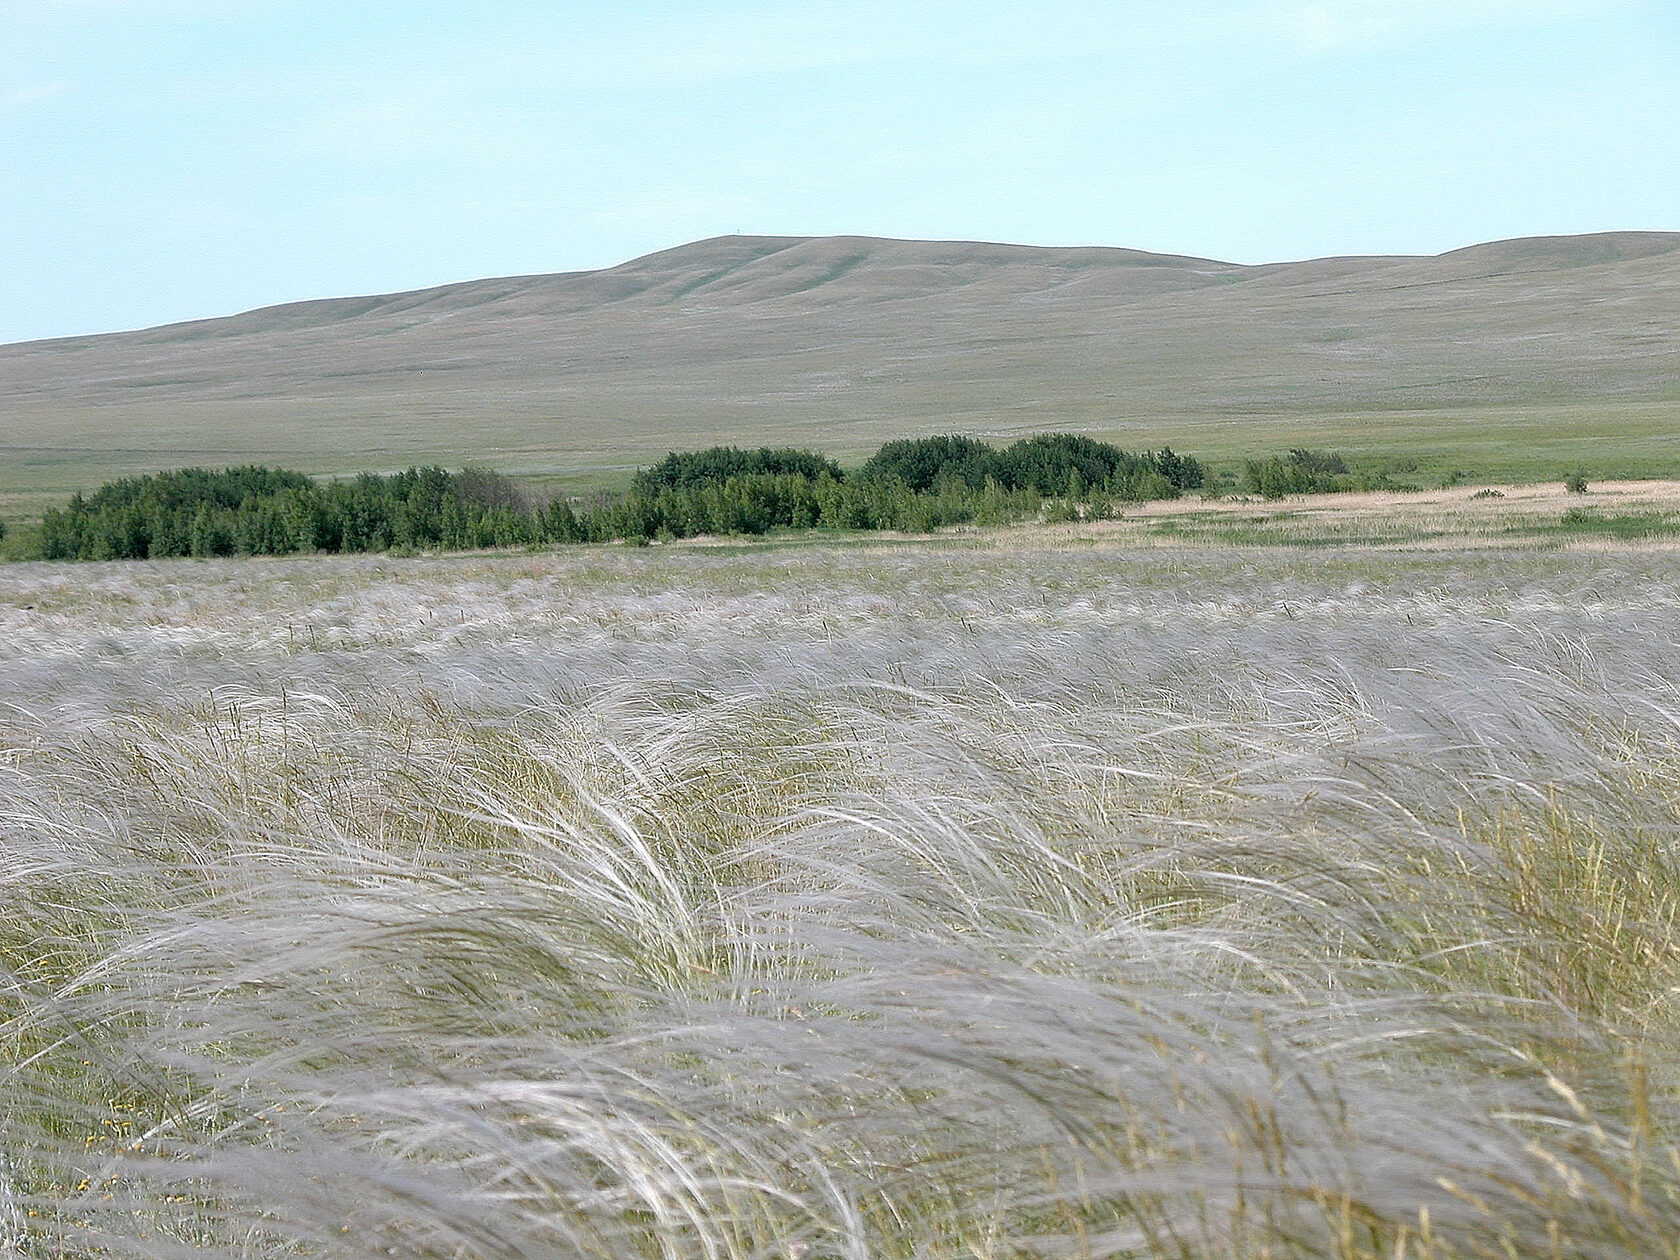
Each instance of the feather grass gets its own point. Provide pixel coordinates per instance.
(841, 904)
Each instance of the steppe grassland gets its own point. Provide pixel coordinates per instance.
(600, 448)
(981, 897)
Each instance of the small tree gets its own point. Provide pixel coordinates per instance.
(1576, 482)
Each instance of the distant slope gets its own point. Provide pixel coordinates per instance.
(842, 342)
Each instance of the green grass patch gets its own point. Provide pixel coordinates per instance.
(1420, 448)
(1588, 522)
(1292, 529)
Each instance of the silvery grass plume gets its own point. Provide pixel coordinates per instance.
(824, 904)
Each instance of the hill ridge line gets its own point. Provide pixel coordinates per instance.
(1119, 256)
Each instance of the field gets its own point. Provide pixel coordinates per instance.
(1063, 892)
(1513, 443)
(1514, 360)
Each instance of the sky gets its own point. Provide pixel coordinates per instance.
(163, 160)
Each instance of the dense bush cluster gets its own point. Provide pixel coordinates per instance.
(1051, 464)
(755, 503)
(913, 485)
(690, 470)
(268, 511)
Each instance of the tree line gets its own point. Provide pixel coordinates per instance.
(274, 511)
(915, 485)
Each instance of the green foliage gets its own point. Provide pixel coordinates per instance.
(155, 515)
(691, 470)
(1622, 525)
(1048, 464)
(914, 485)
(21, 541)
(1576, 482)
(261, 511)
(1303, 471)
(1070, 464)
(756, 503)
(920, 462)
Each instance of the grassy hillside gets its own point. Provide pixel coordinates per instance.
(909, 901)
(1504, 359)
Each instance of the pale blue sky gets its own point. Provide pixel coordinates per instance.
(170, 159)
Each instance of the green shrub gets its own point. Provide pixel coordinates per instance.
(1300, 471)
(1046, 464)
(264, 511)
(691, 470)
(920, 462)
(917, 484)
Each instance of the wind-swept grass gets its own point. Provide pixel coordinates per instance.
(865, 902)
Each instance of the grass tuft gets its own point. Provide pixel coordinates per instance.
(842, 902)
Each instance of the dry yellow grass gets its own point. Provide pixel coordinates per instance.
(1520, 517)
(1026, 893)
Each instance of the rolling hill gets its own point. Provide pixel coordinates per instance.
(844, 342)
